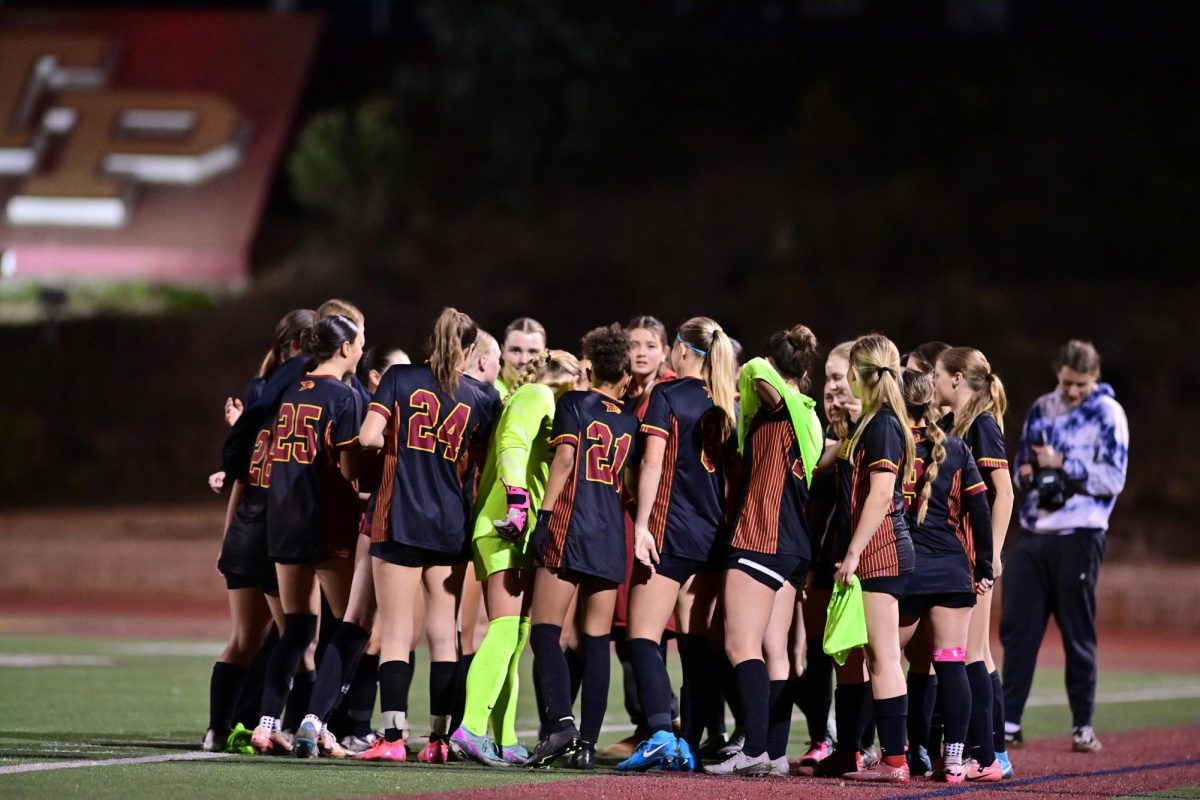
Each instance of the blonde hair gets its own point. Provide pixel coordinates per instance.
(987, 390)
(336, 307)
(485, 343)
(876, 361)
(704, 336)
(841, 423)
(453, 335)
(920, 404)
(555, 368)
(842, 351)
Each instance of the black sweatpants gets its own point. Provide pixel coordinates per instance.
(1051, 575)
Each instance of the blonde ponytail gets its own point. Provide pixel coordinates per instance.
(876, 361)
(721, 366)
(453, 334)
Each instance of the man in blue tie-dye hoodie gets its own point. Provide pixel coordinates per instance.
(1071, 463)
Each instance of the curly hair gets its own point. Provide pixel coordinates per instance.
(608, 350)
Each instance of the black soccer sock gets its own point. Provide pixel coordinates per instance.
(654, 685)
(866, 725)
(575, 670)
(249, 702)
(998, 743)
(956, 697)
(633, 703)
(936, 726)
(460, 689)
(223, 690)
(299, 700)
(890, 714)
(443, 681)
(395, 678)
(729, 688)
(814, 694)
(755, 687)
(922, 693)
(714, 697)
(779, 719)
(360, 700)
(848, 713)
(335, 671)
(298, 633)
(597, 666)
(979, 731)
(697, 688)
(553, 675)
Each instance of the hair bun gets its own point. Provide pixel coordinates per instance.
(802, 338)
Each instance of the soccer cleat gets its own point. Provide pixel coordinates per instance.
(358, 744)
(555, 745)
(980, 774)
(383, 750)
(659, 750)
(871, 756)
(779, 767)
(267, 741)
(305, 743)
(734, 744)
(480, 749)
(516, 754)
(741, 764)
(711, 747)
(435, 751)
(209, 743)
(238, 741)
(918, 761)
(839, 763)
(1084, 740)
(1006, 767)
(1013, 738)
(685, 759)
(953, 773)
(584, 757)
(882, 772)
(817, 752)
(328, 747)
(625, 747)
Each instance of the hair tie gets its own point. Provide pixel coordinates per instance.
(888, 370)
(693, 348)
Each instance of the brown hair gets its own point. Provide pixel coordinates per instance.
(920, 404)
(556, 368)
(453, 335)
(608, 350)
(343, 307)
(987, 390)
(652, 324)
(289, 329)
(526, 325)
(1079, 355)
(325, 338)
(793, 352)
(926, 355)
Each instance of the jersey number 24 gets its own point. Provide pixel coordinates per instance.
(426, 410)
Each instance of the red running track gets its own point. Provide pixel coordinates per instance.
(1132, 762)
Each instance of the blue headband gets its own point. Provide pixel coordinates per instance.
(694, 349)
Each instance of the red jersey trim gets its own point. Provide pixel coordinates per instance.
(654, 431)
(380, 409)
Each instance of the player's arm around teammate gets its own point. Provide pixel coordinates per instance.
(579, 546)
(880, 549)
(770, 549)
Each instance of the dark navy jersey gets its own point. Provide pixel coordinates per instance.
(688, 507)
(945, 549)
(487, 415)
(822, 506)
(586, 531)
(986, 442)
(880, 448)
(774, 492)
(253, 505)
(312, 510)
(239, 442)
(427, 441)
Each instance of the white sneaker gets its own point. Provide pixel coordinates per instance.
(209, 743)
(1085, 741)
(742, 764)
(779, 767)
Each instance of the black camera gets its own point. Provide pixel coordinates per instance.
(1051, 488)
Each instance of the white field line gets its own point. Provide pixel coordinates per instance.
(1133, 696)
(36, 661)
(107, 762)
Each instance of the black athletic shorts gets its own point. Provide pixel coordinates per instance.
(914, 606)
(403, 555)
(887, 584)
(769, 570)
(244, 561)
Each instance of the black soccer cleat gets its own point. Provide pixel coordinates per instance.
(565, 742)
(584, 757)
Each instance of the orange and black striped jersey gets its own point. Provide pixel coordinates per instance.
(945, 547)
(879, 449)
(774, 493)
(689, 506)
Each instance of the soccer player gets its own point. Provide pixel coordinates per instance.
(879, 550)
(524, 340)
(312, 509)
(249, 574)
(770, 548)
(579, 545)
(953, 559)
(427, 419)
(680, 510)
(511, 487)
(965, 382)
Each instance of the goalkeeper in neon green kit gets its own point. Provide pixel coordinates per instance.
(510, 494)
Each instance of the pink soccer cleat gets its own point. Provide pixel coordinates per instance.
(436, 751)
(383, 750)
(989, 774)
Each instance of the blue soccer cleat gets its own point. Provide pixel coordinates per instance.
(684, 758)
(660, 750)
(1006, 767)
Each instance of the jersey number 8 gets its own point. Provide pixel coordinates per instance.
(426, 408)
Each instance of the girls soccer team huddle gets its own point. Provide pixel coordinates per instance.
(649, 488)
